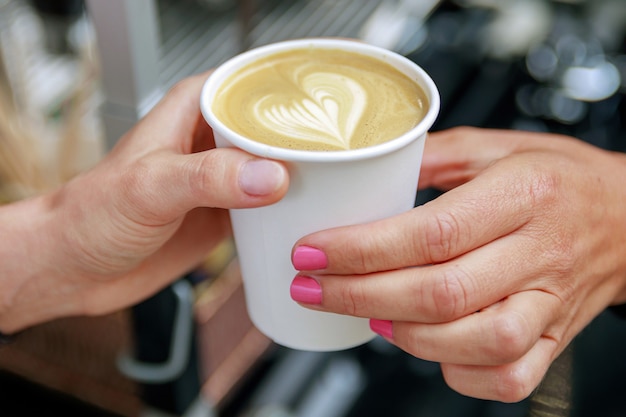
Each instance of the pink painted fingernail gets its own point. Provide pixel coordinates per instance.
(306, 290)
(306, 258)
(382, 327)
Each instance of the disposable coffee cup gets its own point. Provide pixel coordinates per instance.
(327, 189)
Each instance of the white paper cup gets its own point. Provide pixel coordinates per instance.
(327, 189)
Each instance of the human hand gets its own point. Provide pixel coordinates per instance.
(148, 213)
(495, 277)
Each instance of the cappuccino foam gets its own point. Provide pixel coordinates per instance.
(320, 99)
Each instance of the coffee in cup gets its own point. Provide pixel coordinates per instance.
(320, 100)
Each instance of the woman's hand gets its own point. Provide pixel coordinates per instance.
(148, 213)
(494, 278)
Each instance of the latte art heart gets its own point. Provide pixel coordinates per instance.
(319, 100)
(328, 112)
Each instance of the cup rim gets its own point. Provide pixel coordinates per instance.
(403, 64)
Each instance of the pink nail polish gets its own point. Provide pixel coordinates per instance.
(382, 327)
(306, 290)
(306, 258)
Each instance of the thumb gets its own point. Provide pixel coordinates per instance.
(221, 178)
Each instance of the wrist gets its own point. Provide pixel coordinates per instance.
(31, 290)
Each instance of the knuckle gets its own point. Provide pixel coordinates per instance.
(202, 172)
(137, 181)
(211, 180)
(377, 250)
(560, 260)
(450, 294)
(142, 191)
(440, 236)
(542, 187)
(361, 261)
(511, 337)
(353, 300)
(514, 383)
(507, 384)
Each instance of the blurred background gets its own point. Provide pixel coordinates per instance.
(75, 75)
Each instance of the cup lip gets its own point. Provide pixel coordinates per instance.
(403, 64)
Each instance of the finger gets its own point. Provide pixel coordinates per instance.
(497, 203)
(454, 156)
(509, 383)
(500, 334)
(173, 121)
(443, 292)
(203, 139)
(172, 184)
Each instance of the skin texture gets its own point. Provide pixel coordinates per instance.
(494, 278)
(148, 213)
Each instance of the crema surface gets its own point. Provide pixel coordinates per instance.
(320, 99)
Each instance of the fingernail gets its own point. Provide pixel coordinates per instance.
(260, 177)
(382, 327)
(306, 290)
(306, 258)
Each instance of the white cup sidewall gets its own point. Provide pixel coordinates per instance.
(317, 201)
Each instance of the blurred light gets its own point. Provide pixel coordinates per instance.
(571, 50)
(391, 22)
(542, 62)
(530, 125)
(541, 101)
(566, 109)
(518, 26)
(271, 410)
(591, 83)
(524, 100)
(620, 64)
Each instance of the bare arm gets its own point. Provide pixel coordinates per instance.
(149, 212)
